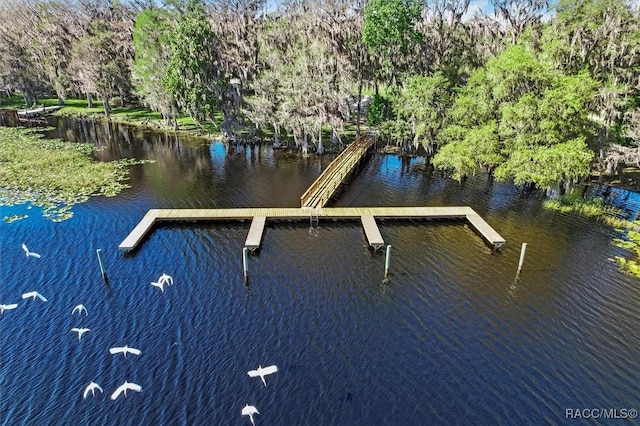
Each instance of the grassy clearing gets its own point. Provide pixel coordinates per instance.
(65, 175)
(130, 114)
(144, 117)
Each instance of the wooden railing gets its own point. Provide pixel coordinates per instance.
(323, 188)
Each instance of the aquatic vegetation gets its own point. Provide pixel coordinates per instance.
(589, 207)
(597, 208)
(632, 243)
(54, 174)
(15, 217)
(593, 207)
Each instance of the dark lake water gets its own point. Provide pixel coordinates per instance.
(452, 338)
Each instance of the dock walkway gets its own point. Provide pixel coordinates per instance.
(291, 213)
(325, 186)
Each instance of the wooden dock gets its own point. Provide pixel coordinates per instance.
(365, 214)
(255, 232)
(372, 232)
(325, 186)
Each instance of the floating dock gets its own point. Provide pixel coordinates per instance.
(259, 216)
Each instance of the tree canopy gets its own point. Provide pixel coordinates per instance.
(516, 91)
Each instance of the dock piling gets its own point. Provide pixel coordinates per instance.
(387, 262)
(245, 263)
(102, 271)
(521, 262)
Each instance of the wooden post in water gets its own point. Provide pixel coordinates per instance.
(522, 252)
(387, 262)
(102, 271)
(245, 263)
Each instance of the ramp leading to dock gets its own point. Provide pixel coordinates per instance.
(325, 186)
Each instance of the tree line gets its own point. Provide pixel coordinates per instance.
(538, 93)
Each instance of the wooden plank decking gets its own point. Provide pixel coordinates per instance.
(372, 232)
(292, 213)
(325, 186)
(483, 227)
(255, 232)
(139, 232)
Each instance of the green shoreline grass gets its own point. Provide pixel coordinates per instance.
(132, 115)
(145, 118)
(53, 174)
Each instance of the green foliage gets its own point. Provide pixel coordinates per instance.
(191, 74)
(421, 107)
(391, 24)
(379, 110)
(546, 166)
(102, 67)
(53, 174)
(522, 118)
(631, 243)
(593, 207)
(150, 37)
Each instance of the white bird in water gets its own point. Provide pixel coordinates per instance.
(30, 253)
(124, 387)
(250, 410)
(165, 279)
(80, 331)
(80, 308)
(159, 284)
(8, 307)
(261, 372)
(124, 349)
(92, 387)
(33, 295)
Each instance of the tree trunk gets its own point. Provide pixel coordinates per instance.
(276, 136)
(320, 150)
(89, 100)
(335, 138)
(359, 108)
(107, 107)
(122, 96)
